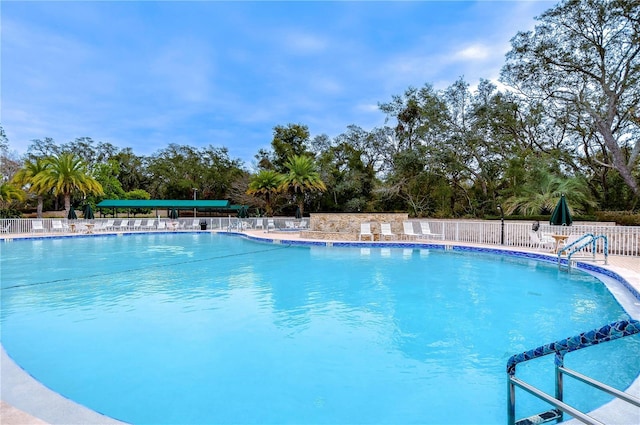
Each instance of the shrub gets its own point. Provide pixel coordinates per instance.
(10, 213)
(622, 218)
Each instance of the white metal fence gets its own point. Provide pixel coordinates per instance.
(623, 240)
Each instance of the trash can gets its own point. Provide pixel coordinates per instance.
(203, 225)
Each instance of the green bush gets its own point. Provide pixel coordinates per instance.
(10, 213)
(622, 218)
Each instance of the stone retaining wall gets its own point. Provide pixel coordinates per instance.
(346, 226)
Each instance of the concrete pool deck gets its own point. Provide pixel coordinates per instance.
(25, 401)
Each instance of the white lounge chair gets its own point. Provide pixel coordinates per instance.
(289, 224)
(58, 226)
(161, 225)
(407, 229)
(365, 230)
(302, 224)
(108, 225)
(137, 224)
(195, 224)
(37, 226)
(542, 242)
(571, 239)
(385, 231)
(425, 231)
(124, 225)
(149, 224)
(259, 223)
(271, 224)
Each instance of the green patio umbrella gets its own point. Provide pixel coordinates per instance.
(298, 213)
(87, 212)
(72, 214)
(243, 211)
(173, 214)
(561, 215)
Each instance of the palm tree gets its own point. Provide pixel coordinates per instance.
(9, 192)
(302, 177)
(266, 183)
(540, 194)
(24, 177)
(64, 175)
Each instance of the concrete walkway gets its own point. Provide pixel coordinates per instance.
(51, 408)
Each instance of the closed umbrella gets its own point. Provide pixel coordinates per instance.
(72, 214)
(87, 212)
(561, 215)
(173, 214)
(298, 213)
(243, 211)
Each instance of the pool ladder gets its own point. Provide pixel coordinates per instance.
(585, 241)
(606, 333)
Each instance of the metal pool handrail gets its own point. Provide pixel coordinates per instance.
(582, 242)
(606, 333)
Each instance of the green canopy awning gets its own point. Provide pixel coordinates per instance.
(164, 203)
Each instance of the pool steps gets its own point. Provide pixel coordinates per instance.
(610, 332)
(588, 240)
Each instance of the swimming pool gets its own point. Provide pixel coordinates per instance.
(201, 328)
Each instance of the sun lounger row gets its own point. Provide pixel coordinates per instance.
(64, 226)
(150, 224)
(408, 231)
(271, 225)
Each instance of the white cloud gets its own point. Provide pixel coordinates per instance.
(367, 107)
(325, 85)
(473, 52)
(301, 42)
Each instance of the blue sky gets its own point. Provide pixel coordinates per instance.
(145, 74)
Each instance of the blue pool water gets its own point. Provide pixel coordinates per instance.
(206, 329)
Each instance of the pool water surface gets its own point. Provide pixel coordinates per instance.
(205, 328)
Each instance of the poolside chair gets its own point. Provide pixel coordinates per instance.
(542, 242)
(259, 223)
(365, 230)
(161, 225)
(149, 224)
(37, 226)
(5, 229)
(124, 225)
(385, 231)
(271, 224)
(302, 224)
(289, 224)
(425, 231)
(107, 225)
(58, 226)
(407, 230)
(196, 224)
(137, 224)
